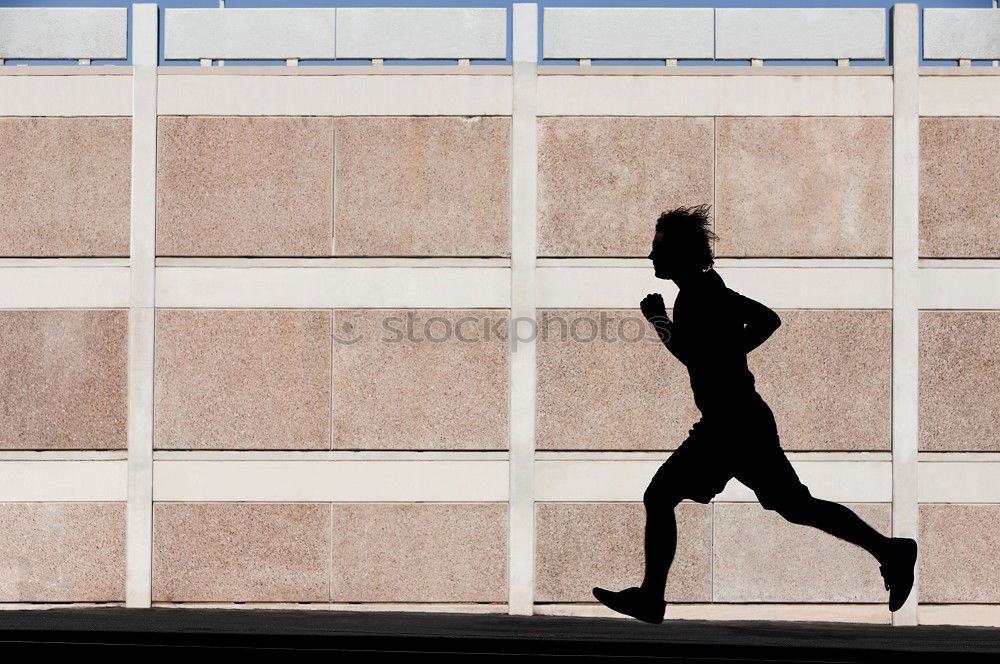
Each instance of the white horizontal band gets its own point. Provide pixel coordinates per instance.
(333, 481)
(63, 287)
(950, 482)
(715, 95)
(573, 481)
(333, 287)
(462, 476)
(960, 95)
(66, 95)
(959, 287)
(63, 481)
(778, 287)
(447, 94)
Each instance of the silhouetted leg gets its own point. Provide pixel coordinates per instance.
(839, 521)
(660, 543)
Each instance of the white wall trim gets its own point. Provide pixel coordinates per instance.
(361, 94)
(625, 481)
(320, 287)
(778, 287)
(905, 285)
(779, 95)
(962, 287)
(964, 482)
(65, 95)
(331, 481)
(63, 481)
(334, 261)
(968, 95)
(50, 287)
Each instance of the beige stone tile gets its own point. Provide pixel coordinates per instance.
(958, 553)
(244, 186)
(760, 557)
(959, 205)
(959, 381)
(617, 389)
(425, 552)
(241, 552)
(603, 181)
(64, 373)
(62, 552)
(242, 379)
(423, 186)
(827, 376)
(409, 381)
(582, 545)
(795, 186)
(65, 186)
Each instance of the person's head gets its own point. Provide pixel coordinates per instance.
(682, 242)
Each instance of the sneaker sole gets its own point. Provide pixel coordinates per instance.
(607, 598)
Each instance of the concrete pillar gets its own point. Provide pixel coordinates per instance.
(524, 164)
(139, 543)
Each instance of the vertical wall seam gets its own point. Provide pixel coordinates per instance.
(905, 249)
(142, 313)
(522, 376)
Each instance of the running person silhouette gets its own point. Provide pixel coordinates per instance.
(736, 435)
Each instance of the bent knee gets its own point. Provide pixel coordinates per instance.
(794, 508)
(663, 496)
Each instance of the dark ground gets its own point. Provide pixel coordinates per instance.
(378, 635)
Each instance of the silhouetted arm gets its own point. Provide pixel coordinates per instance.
(761, 322)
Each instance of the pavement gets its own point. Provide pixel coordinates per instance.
(450, 636)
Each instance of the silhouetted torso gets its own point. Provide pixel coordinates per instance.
(707, 320)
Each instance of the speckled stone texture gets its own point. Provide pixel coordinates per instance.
(620, 390)
(65, 186)
(242, 379)
(408, 381)
(760, 557)
(960, 381)
(428, 552)
(64, 377)
(827, 376)
(62, 552)
(244, 186)
(796, 186)
(241, 552)
(422, 186)
(959, 204)
(958, 553)
(603, 181)
(582, 545)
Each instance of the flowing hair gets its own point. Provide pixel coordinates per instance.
(687, 233)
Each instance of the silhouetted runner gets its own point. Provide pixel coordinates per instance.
(736, 435)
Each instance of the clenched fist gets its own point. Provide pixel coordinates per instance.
(656, 313)
(652, 307)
